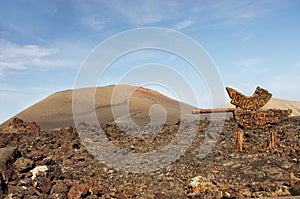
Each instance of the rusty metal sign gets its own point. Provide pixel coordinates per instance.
(248, 115)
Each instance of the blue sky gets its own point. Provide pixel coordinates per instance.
(44, 43)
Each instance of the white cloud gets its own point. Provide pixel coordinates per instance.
(250, 62)
(97, 20)
(100, 15)
(183, 24)
(13, 50)
(145, 12)
(30, 50)
(50, 63)
(12, 65)
(229, 13)
(20, 57)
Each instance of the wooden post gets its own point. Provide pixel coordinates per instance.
(239, 139)
(273, 138)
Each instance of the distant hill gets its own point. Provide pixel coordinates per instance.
(56, 110)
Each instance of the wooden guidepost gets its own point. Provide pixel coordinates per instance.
(239, 139)
(248, 114)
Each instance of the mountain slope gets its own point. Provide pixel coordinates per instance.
(56, 110)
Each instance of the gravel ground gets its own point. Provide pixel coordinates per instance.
(56, 164)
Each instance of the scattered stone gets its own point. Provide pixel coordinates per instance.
(7, 157)
(23, 164)
(55, 164)
(16, 192)
(200, 184)
(293, 178)
(26, 182)
(295, 189)
(37, 170)
(99, 190)
(77, 191)
(246, 193)
(227, 195)
(43, 184)
(3, 187)
(19, 126)
(59, 190)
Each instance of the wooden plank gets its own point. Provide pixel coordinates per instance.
(217, 110)
(260, 118)
(259, 98)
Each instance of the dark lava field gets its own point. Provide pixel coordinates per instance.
(56, 164)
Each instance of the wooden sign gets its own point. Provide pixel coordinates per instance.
(260, 118)
(259, 98)
(248, 115)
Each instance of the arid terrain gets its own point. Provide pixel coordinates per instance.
(55, 111)
(49, 159)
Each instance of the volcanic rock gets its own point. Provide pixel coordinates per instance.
(43, 184)
(18, 126)
(295, 189)
(3, 187)
(59, 190)
(200, 184)
(77, 191)
(23, 164)
(7, 157)
(38, 171)
(57, 164)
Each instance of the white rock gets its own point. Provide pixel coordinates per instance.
(200, 184)
(38, 169)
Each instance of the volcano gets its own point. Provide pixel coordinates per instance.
(111, 103)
